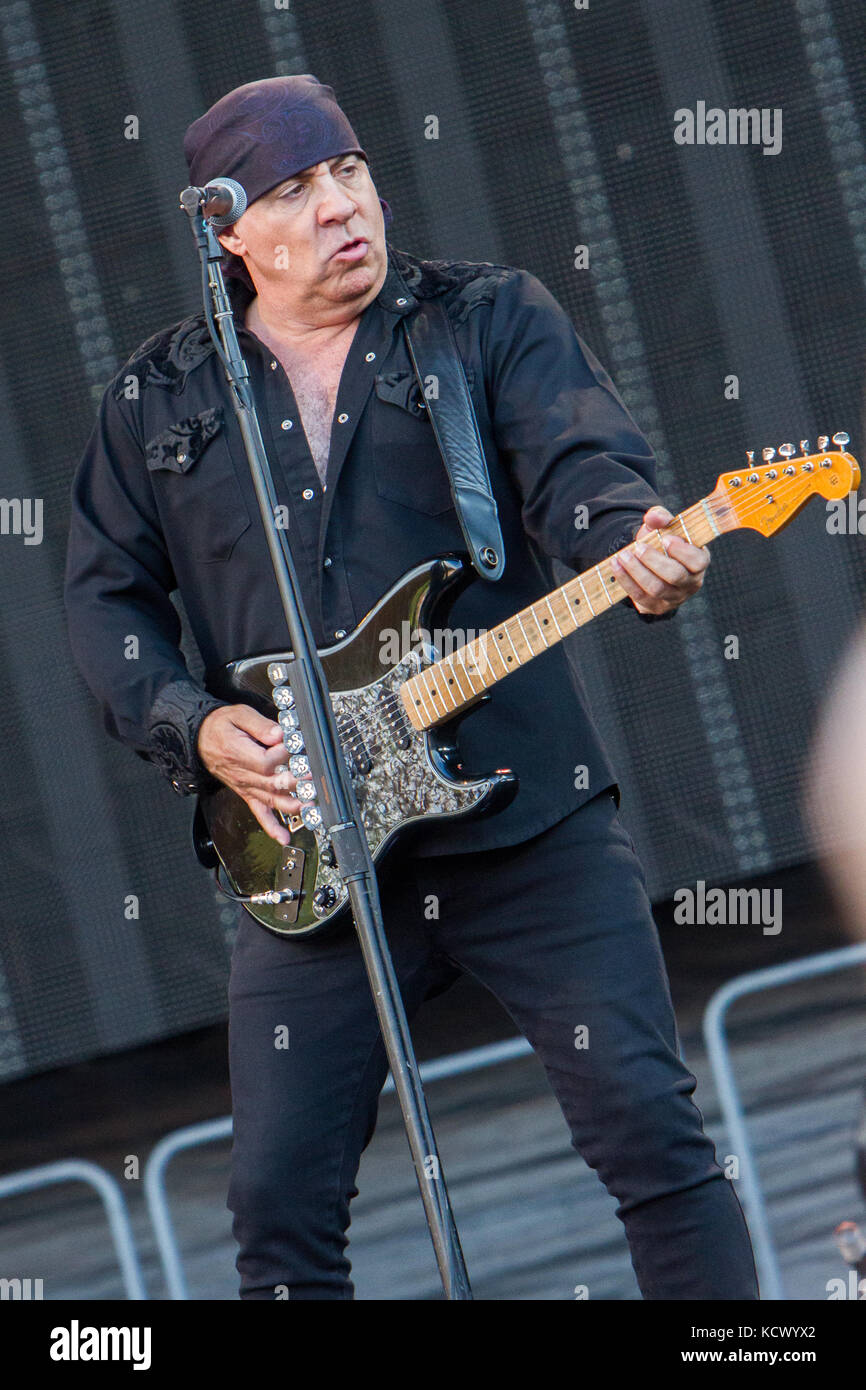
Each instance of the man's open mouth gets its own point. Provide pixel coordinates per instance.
(357, 245)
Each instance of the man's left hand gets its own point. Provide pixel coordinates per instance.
(657, 581)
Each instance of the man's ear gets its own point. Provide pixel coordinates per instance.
(230, 241)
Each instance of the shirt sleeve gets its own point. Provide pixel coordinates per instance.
(584, 471)
(123, 629)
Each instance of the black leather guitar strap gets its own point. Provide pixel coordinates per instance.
(433, 352)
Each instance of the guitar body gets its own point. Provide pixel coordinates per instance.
(403, 778)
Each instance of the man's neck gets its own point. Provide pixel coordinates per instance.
(280, 333)
(280, 326)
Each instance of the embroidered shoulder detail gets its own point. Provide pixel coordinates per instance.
(625, 537)
(166, 358)
(466, 283)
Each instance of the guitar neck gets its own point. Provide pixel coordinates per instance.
(456, 681)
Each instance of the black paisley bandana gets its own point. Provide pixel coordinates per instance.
(264, 132)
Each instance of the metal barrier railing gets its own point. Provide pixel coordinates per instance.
(733, 1114)
(194, 1135)
(459, 1063)
(80, 1170)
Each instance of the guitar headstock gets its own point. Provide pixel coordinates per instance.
(768, 495)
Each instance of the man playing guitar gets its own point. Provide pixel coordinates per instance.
(546, 903)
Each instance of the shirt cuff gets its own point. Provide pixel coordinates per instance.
(175, 718)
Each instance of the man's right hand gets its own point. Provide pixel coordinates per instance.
(243, 749)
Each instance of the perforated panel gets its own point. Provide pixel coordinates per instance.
(555, 130)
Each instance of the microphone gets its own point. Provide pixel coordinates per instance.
(225, 202)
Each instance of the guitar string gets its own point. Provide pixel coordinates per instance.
(695, 512)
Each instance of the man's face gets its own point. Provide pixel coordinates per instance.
(289, 236)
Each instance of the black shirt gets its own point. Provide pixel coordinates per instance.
(162, 499)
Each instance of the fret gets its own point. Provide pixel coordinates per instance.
(685, 528)
(468, 674)
(456, 676)
(553, 615)
(479, 658)
(604, 586)
(523, 632)
(446, 685)
(710, 518)
(585, 595)
(494, 647)
(508, 635)
(574, 611)
(541, 631)
(421, 691)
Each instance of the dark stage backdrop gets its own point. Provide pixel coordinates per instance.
(555, 131)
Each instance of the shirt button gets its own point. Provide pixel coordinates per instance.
(341, 632)
(371, 357)
(181, 458)
(327, 562)
(402, 301)
(307, 494)
(273, 364)
(342, 418)
(285, 424)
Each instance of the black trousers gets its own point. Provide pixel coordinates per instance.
(560, 929)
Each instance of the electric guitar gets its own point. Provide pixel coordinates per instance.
(397, 719)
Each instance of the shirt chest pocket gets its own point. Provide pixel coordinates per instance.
(407, 464)
(196, 486)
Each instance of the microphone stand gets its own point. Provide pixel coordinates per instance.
(331, 776)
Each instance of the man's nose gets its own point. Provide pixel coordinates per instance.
(334, 200)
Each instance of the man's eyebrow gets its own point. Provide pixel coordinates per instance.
(305, 175)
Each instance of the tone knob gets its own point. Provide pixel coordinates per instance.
(325, 898)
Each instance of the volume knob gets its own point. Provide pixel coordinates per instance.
(324, 898)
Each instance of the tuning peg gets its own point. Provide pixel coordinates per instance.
(750, 455)
(841, 438)
(823, 441)
(768, 455)
(805, 447)
(786, 450)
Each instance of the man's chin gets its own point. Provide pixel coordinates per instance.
(353, 279)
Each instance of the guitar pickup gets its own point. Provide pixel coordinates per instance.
(290, 874)
(354, 748)
(395, 719)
